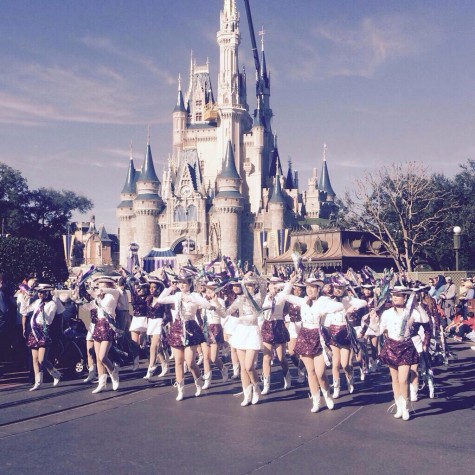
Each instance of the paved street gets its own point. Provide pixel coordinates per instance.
(141, 429)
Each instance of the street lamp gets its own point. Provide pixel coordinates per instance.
(457, 231)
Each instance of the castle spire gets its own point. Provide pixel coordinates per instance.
(277, 196)
(229, 166)
(129, 186)
(324, 185)
(148, 168)
(180, 103)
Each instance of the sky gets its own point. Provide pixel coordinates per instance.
(379, 82)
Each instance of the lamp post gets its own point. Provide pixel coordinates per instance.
(265, 248)
(457, 231)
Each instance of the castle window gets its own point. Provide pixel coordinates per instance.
(191, 212)
(199, 117)
(180, 214)
(199, 103)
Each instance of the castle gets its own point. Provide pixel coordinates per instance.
(224, 192)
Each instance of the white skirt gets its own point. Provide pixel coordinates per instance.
(246, 337)
(294, 328)
(138, 324)
(230, 325)
(154, 326)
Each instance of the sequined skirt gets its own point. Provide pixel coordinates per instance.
(193, 334)
(308, 342)
(103, 331)
(339, 336)
(214, 334)
(398, 353)
(274, 332)
(41, 341)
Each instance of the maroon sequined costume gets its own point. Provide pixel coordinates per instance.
(339, 336)
(193, 334)
(103, 331)
(215, 334)
(398, 353)
(308, 342)
(274, 332)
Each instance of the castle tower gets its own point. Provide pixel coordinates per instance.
(277, 205)
(125, 211)
(147, 206)
(179, 122)
(228, 207)
(233, 117)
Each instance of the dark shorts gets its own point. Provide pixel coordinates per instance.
(103, 331)
(194, 335)
(308, 342)
(274, 332)
(339, 336)
(398, 353)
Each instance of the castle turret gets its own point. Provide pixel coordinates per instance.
(179, 122)
(228, 206)
(125, 211)
(277, 205)
(147, 206)
(324, 185)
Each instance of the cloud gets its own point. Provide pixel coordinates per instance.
(99, 43)
(361, 49)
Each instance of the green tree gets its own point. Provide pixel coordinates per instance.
(21, 256)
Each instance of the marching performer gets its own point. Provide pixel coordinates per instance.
(294, 322)
(44, 310)
(274, 333)
(104, 303)
(214, 338)
(138, 325)
(340, 343)
(185, 334)
(246, 337)
(398, 351)
(310, 344)
(158, 314)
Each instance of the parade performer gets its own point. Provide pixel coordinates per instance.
(44, 310)
(294, 324)
(229, 325)
(214, 338)
(398, 351)
(158, 316)
(138, 325)
(370, 325)
(105, 298)
(185, 334)
(246, 337)
(337, 325)
(274, 333)
(310, 344)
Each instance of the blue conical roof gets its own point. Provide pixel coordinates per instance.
(180, 103)
(324, 183)
(277, 196)
(129, 186)
(148, 169)
(229, 166)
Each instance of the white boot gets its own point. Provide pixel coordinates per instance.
(351, 386)
(266, 388)
(115, 378)
(430, 383)
(200, 359)
(91, 376)
(247, 395)
(38, 381)
(199, 386)
(287, 380)
(102, 384)
(256, 392)
(56, 376)
(328, 399)
(316, 402)
(181, 390)
(235, 371)
(164, 371)
(336, 390)
(413, 392)
(207, 377)
(398, 414)
(225, 374)
(405, 409)
(150, 371)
